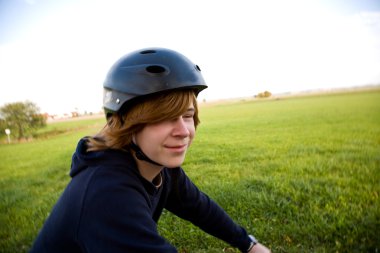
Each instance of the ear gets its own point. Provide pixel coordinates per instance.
(134, 139)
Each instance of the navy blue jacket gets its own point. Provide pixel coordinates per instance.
(109, 207)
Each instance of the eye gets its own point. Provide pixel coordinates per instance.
(188, 115)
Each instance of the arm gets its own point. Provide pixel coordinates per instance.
(193, 205)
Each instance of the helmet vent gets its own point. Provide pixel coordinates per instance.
(155, 69)
(148, 52)
(198, 68)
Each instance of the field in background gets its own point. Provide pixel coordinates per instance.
(302, 174)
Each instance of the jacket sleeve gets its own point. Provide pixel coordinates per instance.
(188, 202)
(116, 217)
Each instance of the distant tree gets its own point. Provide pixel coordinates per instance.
(22, 118)
(3, 126)
(265, 94)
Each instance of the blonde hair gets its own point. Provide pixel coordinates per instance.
(120, 128)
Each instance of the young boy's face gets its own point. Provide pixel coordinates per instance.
(166, 142)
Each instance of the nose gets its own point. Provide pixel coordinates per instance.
(180, 128)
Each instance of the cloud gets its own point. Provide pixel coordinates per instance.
(369, 18)
(30, 2)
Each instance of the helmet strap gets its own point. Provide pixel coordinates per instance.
(141, 156)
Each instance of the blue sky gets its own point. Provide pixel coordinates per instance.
(57, 53)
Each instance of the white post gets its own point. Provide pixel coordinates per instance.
(8, 132)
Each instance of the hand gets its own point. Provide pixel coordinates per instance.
(259, 248)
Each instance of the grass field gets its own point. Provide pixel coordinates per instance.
(302, 174)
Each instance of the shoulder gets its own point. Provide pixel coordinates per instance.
(105, 177)
(112, 194)
(114, 180)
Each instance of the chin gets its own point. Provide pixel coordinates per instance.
(173, 165)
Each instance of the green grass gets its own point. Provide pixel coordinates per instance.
(302, 174)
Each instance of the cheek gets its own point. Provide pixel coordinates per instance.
(192, 133)
(146, 136)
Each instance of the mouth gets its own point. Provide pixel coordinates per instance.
(176, 148)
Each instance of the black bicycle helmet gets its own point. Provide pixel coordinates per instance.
(148, 71)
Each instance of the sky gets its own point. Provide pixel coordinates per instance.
(57, 53)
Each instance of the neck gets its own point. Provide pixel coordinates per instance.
(147, 170)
